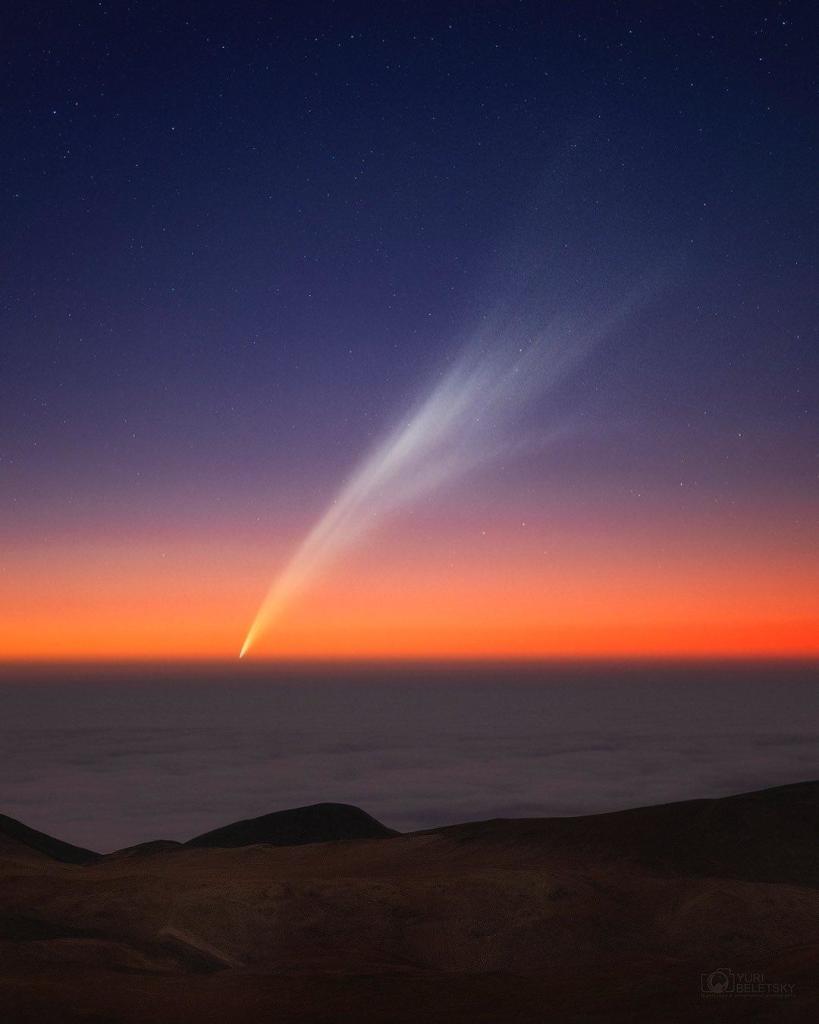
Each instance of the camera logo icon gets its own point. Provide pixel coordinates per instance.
(720, 982)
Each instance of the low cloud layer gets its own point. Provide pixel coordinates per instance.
(109, 765)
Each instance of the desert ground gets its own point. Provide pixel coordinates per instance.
(323, 914)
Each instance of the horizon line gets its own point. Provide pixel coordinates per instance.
(245, 665)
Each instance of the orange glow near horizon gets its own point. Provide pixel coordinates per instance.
(507, 591)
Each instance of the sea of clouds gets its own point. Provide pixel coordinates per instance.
(108, 761)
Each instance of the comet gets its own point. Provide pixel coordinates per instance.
(468, 417)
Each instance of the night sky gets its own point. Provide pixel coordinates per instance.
(241, 241)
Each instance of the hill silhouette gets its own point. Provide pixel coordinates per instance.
(318, 823)
(771, 835)
(15, 836)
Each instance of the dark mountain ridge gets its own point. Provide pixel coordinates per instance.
(318, 823)
(769, 835)
(14, 835)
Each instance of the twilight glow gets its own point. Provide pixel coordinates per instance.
(248, 281)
